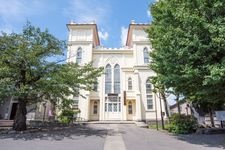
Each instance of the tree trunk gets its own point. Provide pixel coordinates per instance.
(165, 104)
(178, 106)
(20, 118)
(178, 103)
(211, 117)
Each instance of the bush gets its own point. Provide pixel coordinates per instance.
(66, 116)
(182, 124)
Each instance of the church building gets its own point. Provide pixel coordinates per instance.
(124, 91)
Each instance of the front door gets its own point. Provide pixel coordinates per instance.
(130, 109)
(113, 108)
(94, 113)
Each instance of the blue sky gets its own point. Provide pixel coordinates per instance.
(111, 16)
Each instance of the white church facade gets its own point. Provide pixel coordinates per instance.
(123, 91)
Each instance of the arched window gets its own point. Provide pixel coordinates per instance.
(95, 87)
(117, 79)
(79, 55)
(149, 95)
(129, 83)
(95, 109)
(146, 55)
(108, 79)
(148, 86)
(130, 109)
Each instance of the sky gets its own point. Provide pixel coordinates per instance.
(111, 16)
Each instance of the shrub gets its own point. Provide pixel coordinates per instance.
(66, 116)
(182, 124)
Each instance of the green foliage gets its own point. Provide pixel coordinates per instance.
(182, 124)
(188, 38)
(66, 116)
(30, 71)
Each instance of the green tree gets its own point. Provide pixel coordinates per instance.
(160, 88)
(188, 37)
(28, 73)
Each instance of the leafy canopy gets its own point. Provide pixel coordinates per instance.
(28, 71)
(188, 37)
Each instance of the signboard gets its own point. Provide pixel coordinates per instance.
(220, 115)
(112, 94)
(124, 97)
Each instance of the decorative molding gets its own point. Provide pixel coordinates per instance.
(112, 52)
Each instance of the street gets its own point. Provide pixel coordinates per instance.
(109, 137)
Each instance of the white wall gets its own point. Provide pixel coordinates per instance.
(132, 65)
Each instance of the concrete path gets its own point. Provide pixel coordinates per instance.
(147, 139)
(109, 137)
(114, 141)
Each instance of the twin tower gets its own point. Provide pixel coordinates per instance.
(124, 91)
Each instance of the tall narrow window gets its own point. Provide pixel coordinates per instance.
(117, 79)
(95, 86)
(95, 109)
(129, 84)
(146, 55)
(149, 95)
(108, 79)
(130, 109)
(75, 101)
(79, 55)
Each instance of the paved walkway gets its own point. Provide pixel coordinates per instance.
(114, 141)
(109, 137)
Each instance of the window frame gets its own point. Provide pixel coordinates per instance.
(95, 108)
(108, 79)
(149, 95)
(146, 55)
(79, 55)
(130, 84)
(116, 79)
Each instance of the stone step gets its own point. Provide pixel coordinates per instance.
(107, 122)
(141, 124)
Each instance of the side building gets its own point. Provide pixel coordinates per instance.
(124, 91)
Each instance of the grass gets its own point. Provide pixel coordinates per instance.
(153, 126)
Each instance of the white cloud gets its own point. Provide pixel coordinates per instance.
(13, 12)
(104, 36)
(6, 28)
(87, 10)
(148, 13)
(17, 10)
(123, 36)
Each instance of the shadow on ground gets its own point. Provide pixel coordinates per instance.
(57, 133)
(212, 140)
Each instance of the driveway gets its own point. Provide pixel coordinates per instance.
(108, 137)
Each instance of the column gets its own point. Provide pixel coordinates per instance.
(88, 107)
(138, 96)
